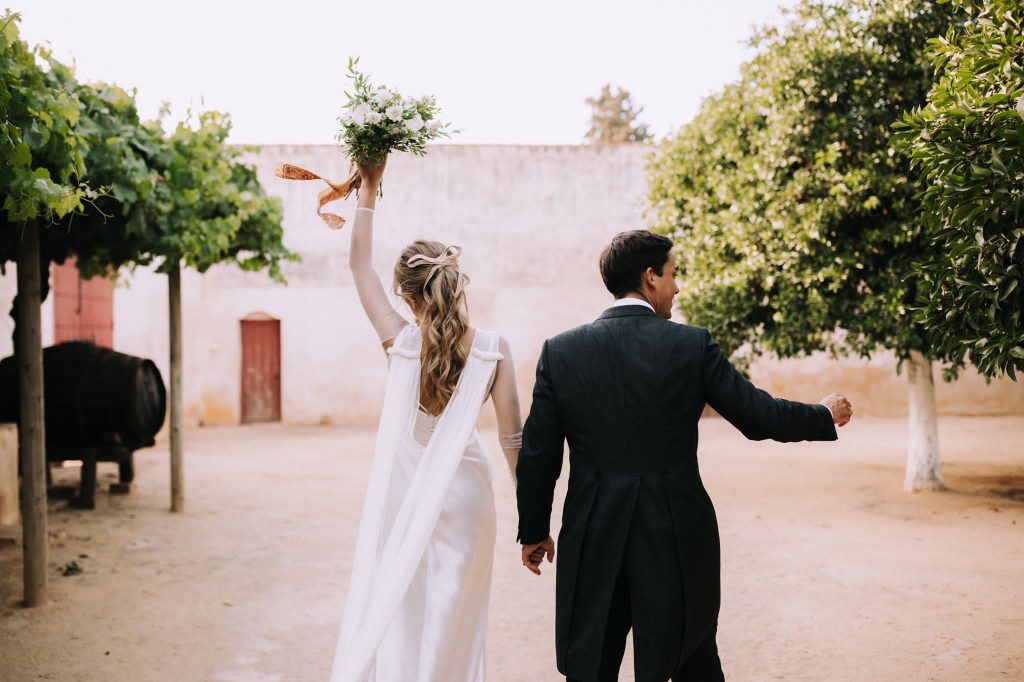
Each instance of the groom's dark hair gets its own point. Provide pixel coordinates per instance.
(626, 259)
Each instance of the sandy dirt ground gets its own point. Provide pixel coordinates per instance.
(830, 572)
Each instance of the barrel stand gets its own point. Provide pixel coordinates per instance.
(89, 456)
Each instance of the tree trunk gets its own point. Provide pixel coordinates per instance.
(31, 434)
(177, 472)
(924, 470)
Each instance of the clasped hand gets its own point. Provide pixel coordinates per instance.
(533, 555)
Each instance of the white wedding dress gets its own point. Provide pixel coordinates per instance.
(416, 609)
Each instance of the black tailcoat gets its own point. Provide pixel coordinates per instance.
(626, 392)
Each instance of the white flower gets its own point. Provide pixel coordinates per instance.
(395, 112)
(381, 97)
(360, 112)
(414, 123)
(374, 117)
(409, 104)
(433, 125)
(1020, 106)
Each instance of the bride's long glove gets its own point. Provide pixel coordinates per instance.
(505, 396)
(385, 319)
(510, 445)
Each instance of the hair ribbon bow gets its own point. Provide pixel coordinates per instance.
(449, 257)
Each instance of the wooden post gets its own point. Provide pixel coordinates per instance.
(177, 473)
(31, 436)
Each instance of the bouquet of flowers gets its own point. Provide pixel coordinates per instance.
(376, 122)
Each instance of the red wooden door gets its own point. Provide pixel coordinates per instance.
(261, 371)
(82, 309)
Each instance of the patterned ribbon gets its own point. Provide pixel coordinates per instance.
(332, 193)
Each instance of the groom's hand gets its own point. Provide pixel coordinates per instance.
(533, 555)
(842, 410)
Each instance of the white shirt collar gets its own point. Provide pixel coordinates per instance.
(632, 301)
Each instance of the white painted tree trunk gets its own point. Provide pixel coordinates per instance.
(924, 469)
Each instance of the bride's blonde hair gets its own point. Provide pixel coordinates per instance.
(428, 272)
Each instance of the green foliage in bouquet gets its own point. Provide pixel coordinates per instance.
(378, 120)
(797, 225)
(968, 144)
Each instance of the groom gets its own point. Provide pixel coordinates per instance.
(639, 541)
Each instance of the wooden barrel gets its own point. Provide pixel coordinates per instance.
(94, 396)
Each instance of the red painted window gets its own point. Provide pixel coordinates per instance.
(83, 309)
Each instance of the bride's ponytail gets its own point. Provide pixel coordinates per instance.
(427, 271)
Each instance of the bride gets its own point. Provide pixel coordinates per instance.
(417, 601)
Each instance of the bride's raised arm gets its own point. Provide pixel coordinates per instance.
(372, 295)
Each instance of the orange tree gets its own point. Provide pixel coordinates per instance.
(798, 226)
(967, 143)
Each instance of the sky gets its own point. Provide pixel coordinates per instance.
(503, 73)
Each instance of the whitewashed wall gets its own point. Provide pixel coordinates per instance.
(8, 287)
(531, 221)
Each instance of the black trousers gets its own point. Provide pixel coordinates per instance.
(703, 665)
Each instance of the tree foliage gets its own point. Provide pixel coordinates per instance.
(203, 206)
(613, 118)
(968, 144)
(219, 212)
(119, 152)
(41, 148)
(797, 224)
(114, 190)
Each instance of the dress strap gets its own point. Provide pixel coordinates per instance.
(408, 342)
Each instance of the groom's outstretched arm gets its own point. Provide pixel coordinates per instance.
(540, 459)
(755, 412)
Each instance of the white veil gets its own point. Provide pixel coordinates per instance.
(388, 552)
